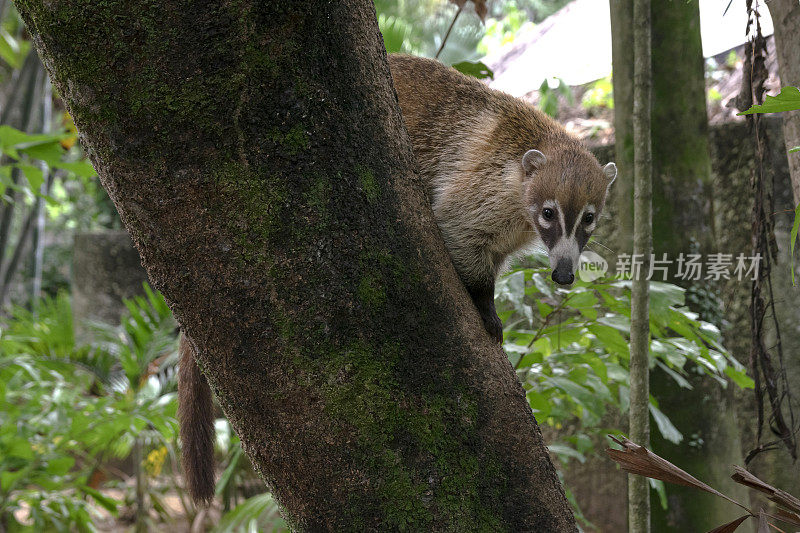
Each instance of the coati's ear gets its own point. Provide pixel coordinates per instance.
(610, 170)
(532, 160)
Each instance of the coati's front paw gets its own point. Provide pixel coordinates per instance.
(493, 325)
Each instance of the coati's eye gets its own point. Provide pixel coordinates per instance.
(588, 218)
(548, 213)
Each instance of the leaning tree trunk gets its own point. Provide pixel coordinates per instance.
(786, 21)
(682, 223)
(256, 154)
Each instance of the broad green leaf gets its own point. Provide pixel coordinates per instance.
(80, 168)
(658, 486)
(34, 175)
(787, 100)
(60, 465)
(680, 380)
(610, 338)
(476, 69)
(740, 378)
(795, 149)
(395, 31)
(49, 151)
(665, 426)
(564, 452)
(540, 404)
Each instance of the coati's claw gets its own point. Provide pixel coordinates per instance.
(494, 326)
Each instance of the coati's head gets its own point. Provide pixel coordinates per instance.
(564, 193)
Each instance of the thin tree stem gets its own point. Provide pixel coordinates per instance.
(638, 491)
(446, 35)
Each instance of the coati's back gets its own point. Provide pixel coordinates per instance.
(452, 118)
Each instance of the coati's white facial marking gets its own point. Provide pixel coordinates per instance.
(547, 216)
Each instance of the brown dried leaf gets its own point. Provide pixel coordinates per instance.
(788, 516)
(481, 7)
(639, 460)
(730, 527)
(782, 498)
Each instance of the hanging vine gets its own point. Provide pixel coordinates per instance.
(766, 364)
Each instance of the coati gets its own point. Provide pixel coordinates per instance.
(500, 174)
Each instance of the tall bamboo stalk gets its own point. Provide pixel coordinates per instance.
(638, 491)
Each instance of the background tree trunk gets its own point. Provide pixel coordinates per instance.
(786, 21)
(683, 222)
(256, 154)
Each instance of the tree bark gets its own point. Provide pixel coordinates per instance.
(638, 487)
(786, 21)
(256, 154)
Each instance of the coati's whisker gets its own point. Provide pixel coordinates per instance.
(598, 243)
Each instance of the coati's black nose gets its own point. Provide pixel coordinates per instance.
(562, 274)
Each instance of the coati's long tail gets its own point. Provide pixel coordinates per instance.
(196, 417)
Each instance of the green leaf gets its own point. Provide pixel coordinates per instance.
(565, 452)
(48, 151)
(109, 504)
(10, 50)
(787, 100)
(665, 426)
(395, 32)
(248, 510)
(60, 465)
(540, 404)
(610, 338)
(229, 471)
(795, 149)
(793, 236)
(80, 168)
(740, 378)
(658, 486)
(476, 69)
(34, 175)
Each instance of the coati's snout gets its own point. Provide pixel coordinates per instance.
(563, 273)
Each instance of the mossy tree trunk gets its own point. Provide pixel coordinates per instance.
(256, 154)
(682, 223)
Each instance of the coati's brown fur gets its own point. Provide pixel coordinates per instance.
(469, 142)
(492, 165)
(196, 418)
